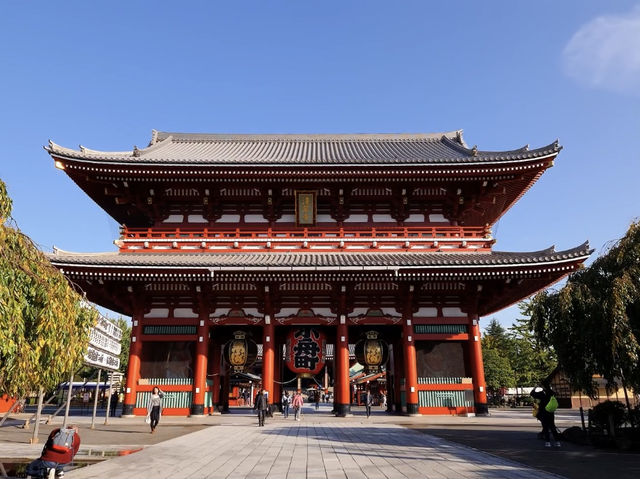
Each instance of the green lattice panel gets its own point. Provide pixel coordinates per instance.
(177, 399)
(440, 328)
(445, 398)
(442, 380)
(208, 395)
(166, 381)
(168, 330)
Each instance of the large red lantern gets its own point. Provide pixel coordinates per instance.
(305, 351)
(372, 352)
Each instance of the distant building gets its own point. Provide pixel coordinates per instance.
(567, 398)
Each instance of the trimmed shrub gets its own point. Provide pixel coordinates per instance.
(600, 414)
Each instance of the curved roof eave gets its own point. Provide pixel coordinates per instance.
(437, 149)
(318, 261)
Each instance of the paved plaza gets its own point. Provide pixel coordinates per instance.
(310, 449)
(321, 446)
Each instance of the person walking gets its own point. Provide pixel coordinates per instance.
(297, 403)
(286, 402)
(383, 400)
(260, 405)
(547, 404)
(368, 401)
(154, 408)
(316, 399)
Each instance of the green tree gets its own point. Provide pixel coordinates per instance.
(44, 322)
(593, 322)
(531, 361)
(496, 352)
(496, 337)
(497, 372)
(126, 343)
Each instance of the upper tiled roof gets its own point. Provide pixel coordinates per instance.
(222, 149)
(306, 261)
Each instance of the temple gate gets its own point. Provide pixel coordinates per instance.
(248, 237)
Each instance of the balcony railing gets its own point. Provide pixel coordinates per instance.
(215, 239)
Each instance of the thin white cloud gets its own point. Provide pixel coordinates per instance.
(605, 53)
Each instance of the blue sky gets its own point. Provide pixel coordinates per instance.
(103, 74)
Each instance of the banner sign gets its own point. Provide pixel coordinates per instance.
(100, 359)
(104, 345)
(109, 328)
(100, 340)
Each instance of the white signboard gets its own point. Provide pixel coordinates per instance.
(100, 340)
(109, 328)
(101, 359)
(104, 345)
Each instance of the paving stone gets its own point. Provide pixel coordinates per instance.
(319, 447)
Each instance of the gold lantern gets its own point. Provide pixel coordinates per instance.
(372, 352)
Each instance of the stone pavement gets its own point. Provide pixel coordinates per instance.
(319, 446)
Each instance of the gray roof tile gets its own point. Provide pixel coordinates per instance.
(321, 260)
(366, 149)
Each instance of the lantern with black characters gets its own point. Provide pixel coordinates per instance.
(372, 352)
(305, 351)
(240, 352)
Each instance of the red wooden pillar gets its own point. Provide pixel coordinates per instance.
(200, 367)
(477, 368)
(277, 375)
(133, 370)
(216, 357)
(409, 348)
(334, 374)
(341, 360)
(268, 349)
(268, 357)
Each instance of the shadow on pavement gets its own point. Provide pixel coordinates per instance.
(571, 460)
(360, 441)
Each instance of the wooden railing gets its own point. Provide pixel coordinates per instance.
(306, 233)
(254, 239)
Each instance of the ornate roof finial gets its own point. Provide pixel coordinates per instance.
(474, 150)
(154, 137)
(136, 152)
(556, 144)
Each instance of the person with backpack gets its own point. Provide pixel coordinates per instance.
(547, 405)
(286, 402)
(61, 446)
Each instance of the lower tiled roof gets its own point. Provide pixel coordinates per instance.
(300, 261)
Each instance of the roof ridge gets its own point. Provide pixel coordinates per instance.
(550, 251)
(160, 135)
